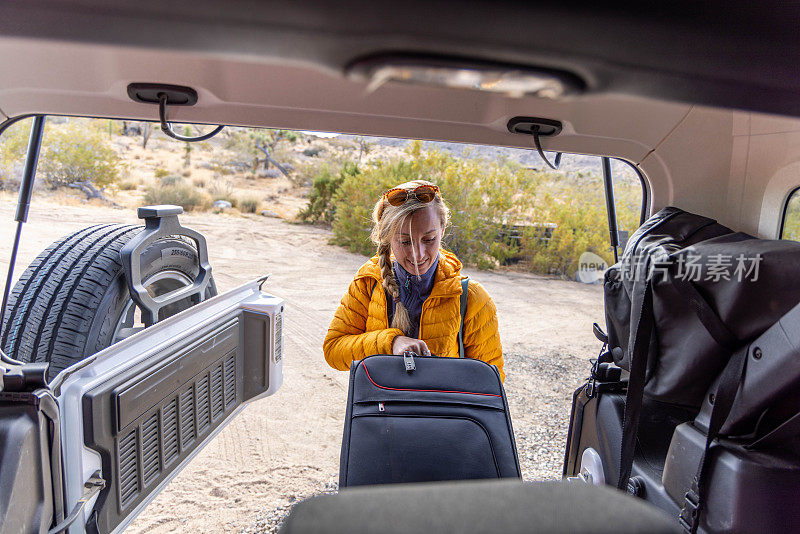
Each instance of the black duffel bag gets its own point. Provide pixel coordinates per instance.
(710, 291)
(684, 308)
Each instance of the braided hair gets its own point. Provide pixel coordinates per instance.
(387, 220)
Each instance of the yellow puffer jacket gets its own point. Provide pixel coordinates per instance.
(360, 327)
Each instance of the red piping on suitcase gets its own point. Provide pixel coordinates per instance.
(425, 390)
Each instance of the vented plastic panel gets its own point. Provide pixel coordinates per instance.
(203, 415)
(154, 438)
(187, 417)
(169, 431)
(230, 381)
(217, 404)
(128, 455)
(150, 453)
(278, 337)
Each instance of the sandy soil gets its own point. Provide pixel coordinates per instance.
(284, 448)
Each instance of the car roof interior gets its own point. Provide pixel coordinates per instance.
(703, 98)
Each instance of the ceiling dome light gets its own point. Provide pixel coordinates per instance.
(510, 80)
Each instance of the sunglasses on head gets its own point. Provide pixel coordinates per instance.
(423, 193)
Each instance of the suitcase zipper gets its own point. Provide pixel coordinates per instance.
(381, 407)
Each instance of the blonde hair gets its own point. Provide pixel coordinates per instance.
(387, 220)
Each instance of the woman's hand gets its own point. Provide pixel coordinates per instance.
(403, 343)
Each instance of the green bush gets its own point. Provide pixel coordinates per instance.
(481, 195)
(13, 146)
(580, 225)
(320, 200)
(161, 173)
(577, 211)
(354, 199)
(179, 194)
(77, 151)
(791, 227)
(560, 215)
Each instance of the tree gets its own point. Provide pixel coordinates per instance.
(258, 146)
(363, 148)
(146, 130)
(187, 156)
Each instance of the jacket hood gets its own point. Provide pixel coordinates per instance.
(446, 282)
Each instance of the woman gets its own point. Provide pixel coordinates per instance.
(423, 285)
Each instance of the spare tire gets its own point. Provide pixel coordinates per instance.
(73, 301)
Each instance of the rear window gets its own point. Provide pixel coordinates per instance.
(509, 209)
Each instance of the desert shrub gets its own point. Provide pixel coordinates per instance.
(221, 190)
(226, 168)
(128, 185)
(481, 195)
(791, 226)
(13, 146)
(72, 151)
(199, 182)
(78, 151)
(561, 215)
(179, 194)
(354, 199)
(320, 200)
(577, 210)
(249, 204)
(161, 173)
(578, 217)
(628, 201)
(312, 151)
(171, 179)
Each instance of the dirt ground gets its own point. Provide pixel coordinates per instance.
(286, 447)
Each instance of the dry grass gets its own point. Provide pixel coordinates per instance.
(179, 194)
(129, 185)
(249, 204)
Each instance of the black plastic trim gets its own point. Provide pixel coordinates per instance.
(785, 210)
(645, 189)
(149, 93)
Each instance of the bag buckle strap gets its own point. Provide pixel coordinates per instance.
(689, 517)
(591, 387)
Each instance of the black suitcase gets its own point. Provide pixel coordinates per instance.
(423, 419)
